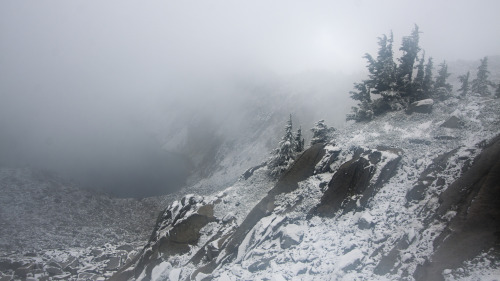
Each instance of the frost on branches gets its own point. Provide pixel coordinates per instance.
(321, 132)
(284, 155)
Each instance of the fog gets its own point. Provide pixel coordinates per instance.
(90, 89)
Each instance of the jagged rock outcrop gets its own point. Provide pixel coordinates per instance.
(474, 202)
(177, 228)
(357, 180)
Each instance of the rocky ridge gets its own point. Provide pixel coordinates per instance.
(385, 200)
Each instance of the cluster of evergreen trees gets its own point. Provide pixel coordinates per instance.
(397, 85)
(481, 84)
(292, 144)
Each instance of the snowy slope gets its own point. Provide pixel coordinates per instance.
(339, 248)
(386, 235)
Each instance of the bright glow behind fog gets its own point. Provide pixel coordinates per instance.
(78, 77)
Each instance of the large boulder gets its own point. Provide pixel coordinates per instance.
(453, 123)
(421, 106)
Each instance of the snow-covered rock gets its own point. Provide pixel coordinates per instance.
(421, 106)
(393, 203)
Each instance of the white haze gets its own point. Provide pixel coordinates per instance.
(97, 83)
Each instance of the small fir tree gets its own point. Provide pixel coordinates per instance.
(427, 83)
(441, 87)
(299, 140)
(284, 155)
(382, 70)
(410, 50)
(481, 83)
(320, 132)
(465, 88)
(363, 111)
(418, 82)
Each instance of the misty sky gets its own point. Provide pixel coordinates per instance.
(94, 75)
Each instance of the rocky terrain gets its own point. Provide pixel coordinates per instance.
(50, 229)
(410, 196)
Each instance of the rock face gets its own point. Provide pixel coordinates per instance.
(177, 228)
(475, 200)
(354, 183)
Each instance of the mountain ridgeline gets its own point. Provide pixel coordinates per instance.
(412, 194)
(408, 191)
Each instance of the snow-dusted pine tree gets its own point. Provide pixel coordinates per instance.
(283, 156)
(382, 69)
(299, 141)
(410, 49)
(442, 89)
(428, 83)
(481, 83)
(362, 112)
(464, 79)
(418, 82)
(320, 132)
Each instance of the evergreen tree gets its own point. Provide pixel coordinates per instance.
(410, 49)
(464, 79)
(364, 111)
(320, 132)
(382, 70)
(299, 141)
(284, 155)
(497, 92)
(441, 87)
(481, 83)
(419, 79)
(427, 83)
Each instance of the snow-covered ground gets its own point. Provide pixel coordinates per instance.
(289, 243)
(49, 228)
(338, 248)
